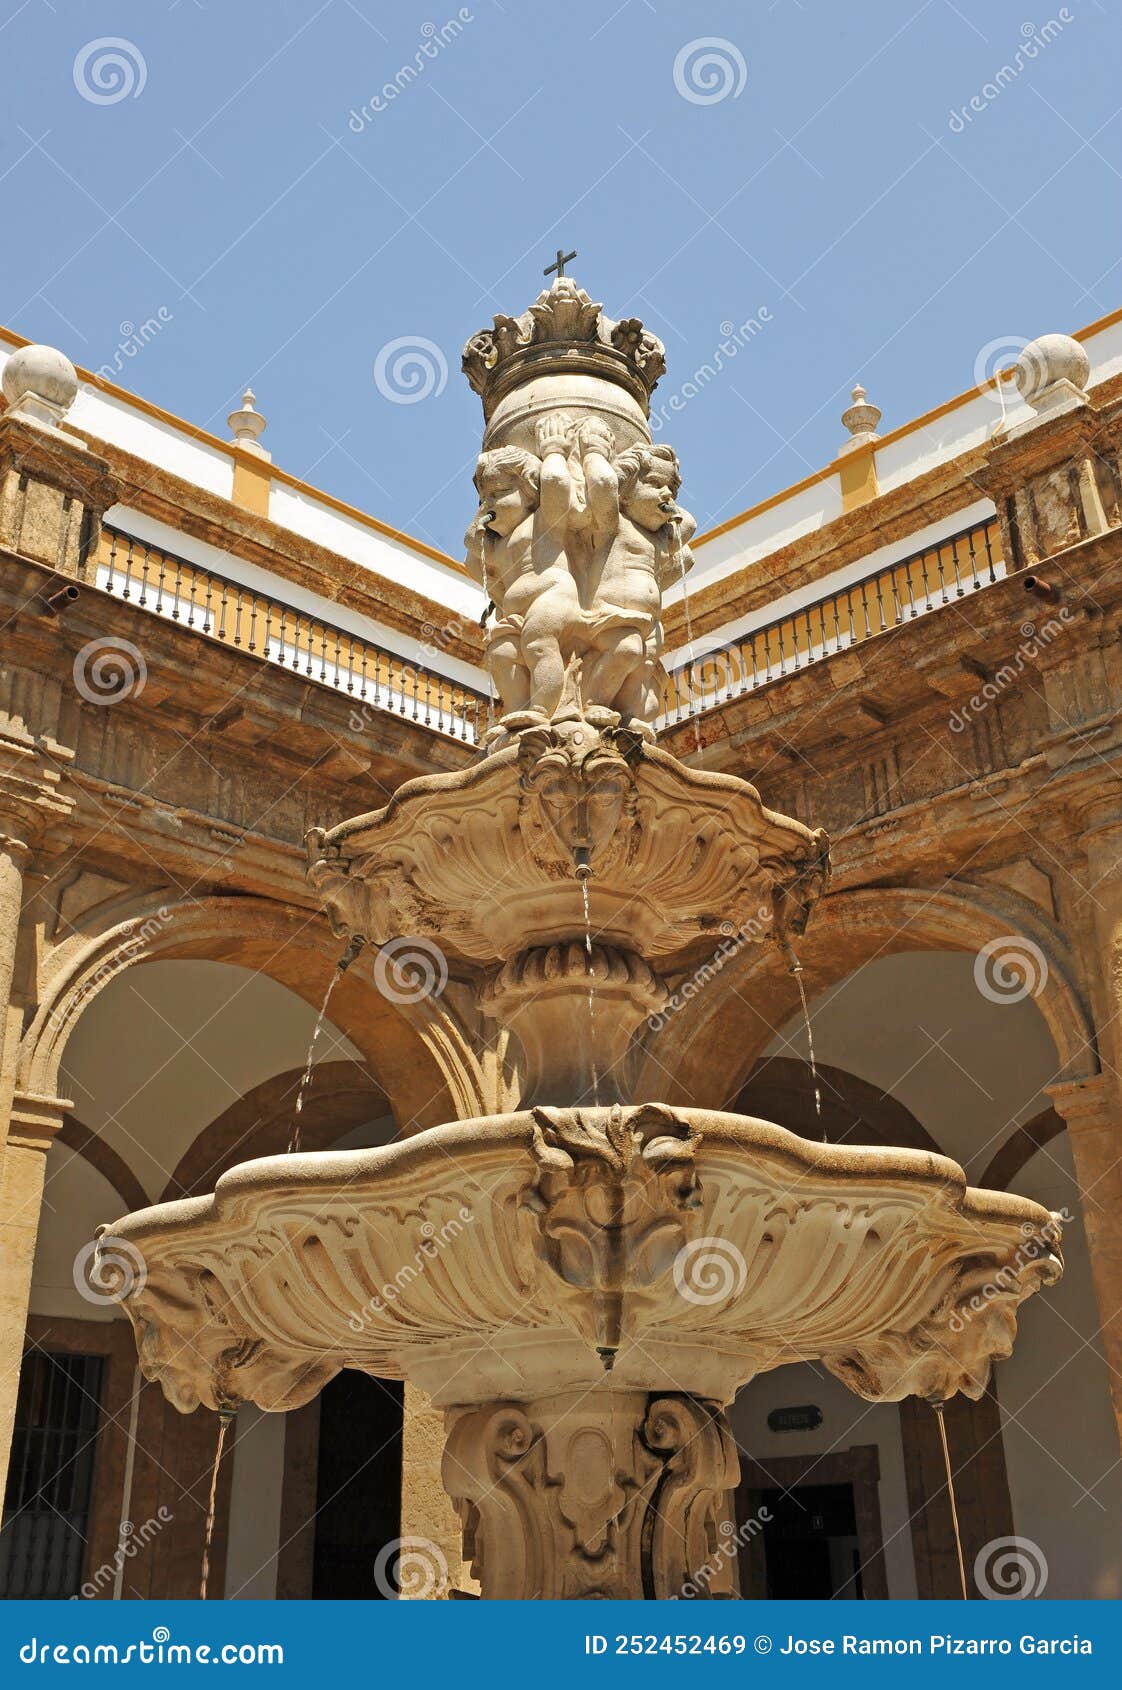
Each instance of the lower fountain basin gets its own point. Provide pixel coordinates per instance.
(634, 1249)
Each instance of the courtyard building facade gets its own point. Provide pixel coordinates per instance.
(203, 659)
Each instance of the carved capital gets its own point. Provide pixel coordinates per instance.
(29, 806)
(1087, 1104)
(601, 1495)
(35, 1121)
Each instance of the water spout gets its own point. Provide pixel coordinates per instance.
(354, 946)
(582, 855)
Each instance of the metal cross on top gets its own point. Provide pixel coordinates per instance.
(563, 258)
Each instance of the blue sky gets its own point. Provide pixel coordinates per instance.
(238, 196)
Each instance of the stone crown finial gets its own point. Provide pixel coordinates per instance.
(1051, 371)
(40, 383)
(860, 419)
(565, 326)
(247, 423)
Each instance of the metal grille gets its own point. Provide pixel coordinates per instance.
(223, 610)
(46, 1507)
(877, 604)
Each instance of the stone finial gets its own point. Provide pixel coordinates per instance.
(1052, 372)
(861, 420)
(247, 423)
(40, 383)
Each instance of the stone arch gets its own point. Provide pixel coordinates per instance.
(75, 1136)
(1020, 1147)
(288, 944)
(781, 1089)
(703, 1053)
(342, 1095)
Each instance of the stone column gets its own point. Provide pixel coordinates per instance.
(1092, 1111)
(1092, 1108)
(428, 1520)
(595, 1494)
(29, 801)
(33, 1124)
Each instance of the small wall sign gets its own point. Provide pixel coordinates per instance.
(805, 1418)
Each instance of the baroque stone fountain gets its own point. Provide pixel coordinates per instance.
(596, 1276)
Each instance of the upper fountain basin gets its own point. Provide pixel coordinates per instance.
(484, 862)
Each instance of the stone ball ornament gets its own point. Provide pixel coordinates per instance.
(1051, 361)
(41, 372)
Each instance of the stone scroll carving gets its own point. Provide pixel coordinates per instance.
(596, 1495)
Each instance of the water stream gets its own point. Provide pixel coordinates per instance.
(680, 558)
(225, 1418)
(354, 945)
(591, 989)
(306, 1080)
(795, 968)
(483, 628)
(939, 1407)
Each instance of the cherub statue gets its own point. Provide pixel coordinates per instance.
(640, 544)
(517, 548)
